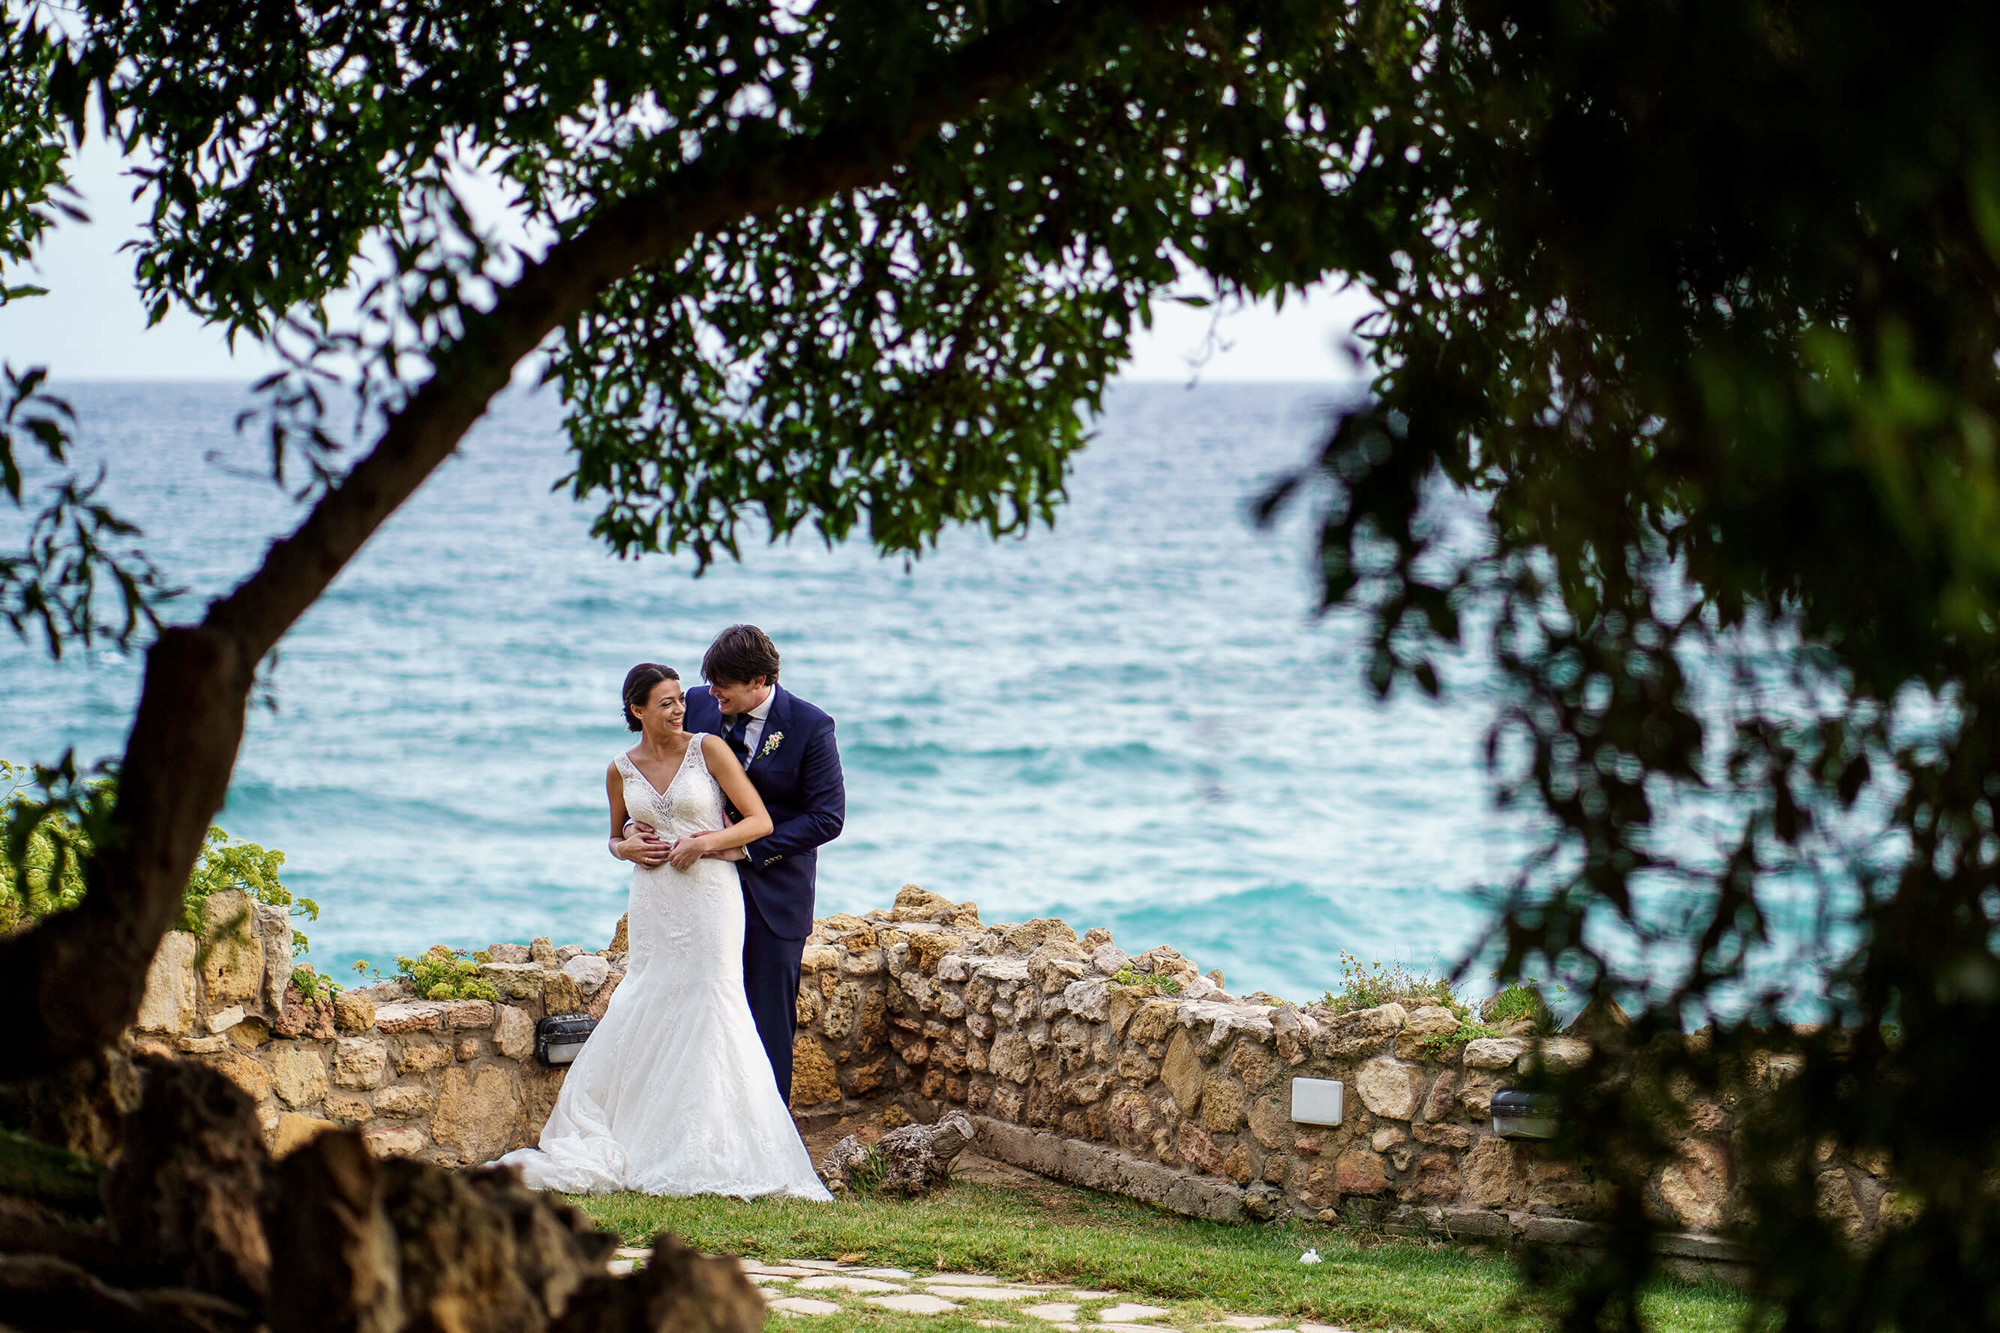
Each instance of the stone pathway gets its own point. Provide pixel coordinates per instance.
(827, 1286)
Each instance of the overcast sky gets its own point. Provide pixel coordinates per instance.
(92, 326)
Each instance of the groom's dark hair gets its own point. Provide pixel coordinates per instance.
(739, 655)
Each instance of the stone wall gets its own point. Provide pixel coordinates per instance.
(1160, 1086)
(452, 1082)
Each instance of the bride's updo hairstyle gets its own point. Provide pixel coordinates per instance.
(639, 683)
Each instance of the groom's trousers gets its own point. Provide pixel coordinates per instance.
(771, 981)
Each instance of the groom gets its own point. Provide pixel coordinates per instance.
(786, 746)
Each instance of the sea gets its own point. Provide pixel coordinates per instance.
(1136, 718)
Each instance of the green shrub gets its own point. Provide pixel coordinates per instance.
(312, 986)
(1521, 1000)
(1366, 985)
(444, 974)
(1132, 976)
(49, 841)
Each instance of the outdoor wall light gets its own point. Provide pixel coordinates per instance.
(1316, 1101)
(1523, 1115)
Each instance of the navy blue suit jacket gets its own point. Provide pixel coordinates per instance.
(800, 782)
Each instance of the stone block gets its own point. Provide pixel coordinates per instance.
(560, 994)
(169, 1004)
(463, 1014)
(814, 1077)
(475, 1112)
(399, 1142)
(1270, 1122)
(405, 1099)
(1363, 1032)
(293, 1130)
(274, 936)
(1434, 1180)
(242, 1069)
(1182, 1072)
(1089, 1000)
(516, 981)
(1695, 1186)
(420, 1054)
(1198, 1149)
(542, 952)
(1221, 1104)
(928, 951)
(410, 1016)
(1359, 1171)
(298, 1075)
(360, 1062)
(819, 958)
(1475, 1093)
(1432, 1020)
(1109, 959)
(353, 1013)
(1492, 1172)
(233, 971)
(862, 963)
(518, 953)
(1560, 1053)
(1388, 1087)
(225, 1019)
(347, 1107)
(588, 971)
(1011, 1056)
(914, 903)
(1032, 935)
(1494, 1052)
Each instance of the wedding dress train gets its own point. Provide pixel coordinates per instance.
(673, 1094)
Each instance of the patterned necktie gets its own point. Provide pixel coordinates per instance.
(736, 737)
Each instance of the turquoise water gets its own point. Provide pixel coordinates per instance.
(1133, 720)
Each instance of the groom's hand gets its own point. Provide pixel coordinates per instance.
(687, 851)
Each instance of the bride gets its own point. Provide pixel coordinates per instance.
(673, 1093)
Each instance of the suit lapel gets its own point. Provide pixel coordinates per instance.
(774, 725)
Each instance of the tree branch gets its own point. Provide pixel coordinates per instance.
(190, 717)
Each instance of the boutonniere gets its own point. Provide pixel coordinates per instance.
(770, 743)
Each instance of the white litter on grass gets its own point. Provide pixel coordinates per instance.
(1309, 1257)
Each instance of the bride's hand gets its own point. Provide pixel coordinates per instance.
(687, 851)
(644, 849)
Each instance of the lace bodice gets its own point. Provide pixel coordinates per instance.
(692, 803)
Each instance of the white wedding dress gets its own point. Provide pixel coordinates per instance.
(673, 1094)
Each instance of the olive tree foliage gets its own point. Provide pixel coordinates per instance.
(844, 268)
(1702, 304)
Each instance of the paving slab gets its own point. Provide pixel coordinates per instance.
(804, 1305)
(1076, 1295)
(776, 1270)
(881, 1272)
(961, 1279)
(766, 1280)
(632, 1252)
(844, 1282)
(619, 1267)
(823, 1265)
(1130, 1313)
(911, 1302)
(1137, 1328)
(971, 1293)
(1056, 1312)
(1249, 1321)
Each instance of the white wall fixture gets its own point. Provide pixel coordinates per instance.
(1316, 1101)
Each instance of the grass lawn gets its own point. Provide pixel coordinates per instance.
(1201, 1271)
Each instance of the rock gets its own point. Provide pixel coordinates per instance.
(1475, 1093)
(294, 1130)
(347, 1107)
(1435, 1180)
(475, 1113)
(862, 963)
(1493, 1174)
(930, 950)
(274, 932)
(169, 1003)
(600, 1003)
(405, 1099)
(560, 994)
(567, 951)
(1109, 959)
(1032, 935)
(1389, 1088)
(820, 958)
(1199, 1149)
(1088, 1000)
(225, 1019)
(1221, 1104)
(516, 981)
(514, 1034)
(233, 971)
(399, 1142)
(1270, 1122)
(678, 1288)
(1561, 1053)
(353, 1013)
(1153, 1020)
(621, 938)
(911, 1160)
(298, 1075)
(1494, 1052)
(998, 970)
(1602, 1023)
(333, 1242)
(185, 1189)
(1362, 1032)
(919, 904)
(360, 1062)
(1432, 1020)
(1182, 1071)
(245, 1071)
(588, 971)
(518, 953)
(1359, 1171)
(1695, 1187)
(420, 1054)
(541, 952)
(814, 1077)
(1011, 1057)
(411, 1016)
(469, 1014)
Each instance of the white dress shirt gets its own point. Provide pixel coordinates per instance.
(755, 731)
